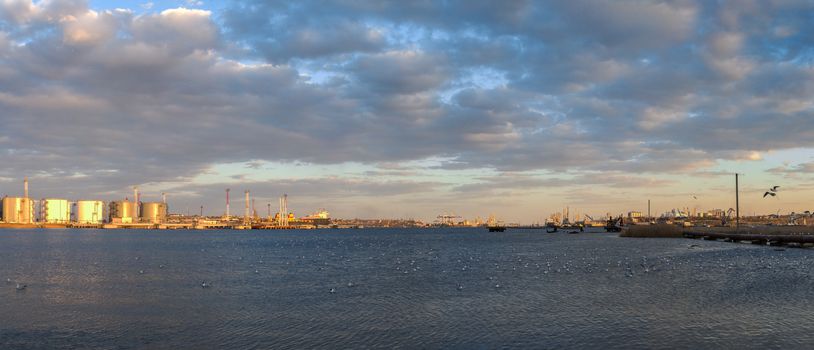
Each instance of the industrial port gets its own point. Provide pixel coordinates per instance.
(26, 212)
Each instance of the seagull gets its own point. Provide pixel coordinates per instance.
(21, 286)
(769, 194)
(774, 188)
(694, 197)
(204, 284)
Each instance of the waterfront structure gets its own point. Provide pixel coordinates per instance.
(137, 198)
(153, 212)
(18, 210)
(246, 214)
(90, 212)
(716, 213)
(322, 217)
(123, 212)
(283, 221)
(55, 211)
(227, 204)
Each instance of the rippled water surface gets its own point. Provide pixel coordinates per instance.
(371, 288)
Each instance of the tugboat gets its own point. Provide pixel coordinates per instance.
(494, 225)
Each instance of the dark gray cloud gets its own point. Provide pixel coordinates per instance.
(794, 170)
(107, 98)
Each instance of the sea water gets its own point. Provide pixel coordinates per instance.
(397, 288)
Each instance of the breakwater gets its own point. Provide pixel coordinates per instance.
(755, 238)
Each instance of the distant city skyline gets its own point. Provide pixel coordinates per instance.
(401, 109)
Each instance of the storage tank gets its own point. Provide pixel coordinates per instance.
(18, 210)
(56, 211)
(90, 212)
(122, 211)
(153, 212)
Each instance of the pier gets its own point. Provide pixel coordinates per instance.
(754, 238)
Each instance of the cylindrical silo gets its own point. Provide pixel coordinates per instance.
(18, 210)
(122, 211)
(90, 212)
(153, 212)
(56, 211)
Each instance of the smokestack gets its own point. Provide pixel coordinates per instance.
(25, 187)
(285, 210)
(246, 215)
(164, 197)
(135, 205)
(227, 203)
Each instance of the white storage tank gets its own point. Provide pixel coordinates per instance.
(18, 210)
(90, 212)
(153, 212)
(56, 211)
(122, 211)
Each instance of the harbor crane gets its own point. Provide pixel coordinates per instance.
(448, 219)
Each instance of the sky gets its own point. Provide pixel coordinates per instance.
(411, 109)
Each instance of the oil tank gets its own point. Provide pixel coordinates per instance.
(153, 212)
(122, 211)
(56, 211)
(18, 210)
(90, 212)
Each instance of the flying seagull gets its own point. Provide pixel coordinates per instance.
(771, 192)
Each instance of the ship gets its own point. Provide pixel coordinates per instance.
(320, 218)
(495, 225)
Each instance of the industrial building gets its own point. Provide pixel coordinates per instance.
(89, 212)
(55, 211)
(123, 212)
(24, 212)
(18, 210)
(153, 212)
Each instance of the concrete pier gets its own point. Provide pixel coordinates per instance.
(754, 238)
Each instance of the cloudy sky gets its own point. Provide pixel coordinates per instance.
(411, 108)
